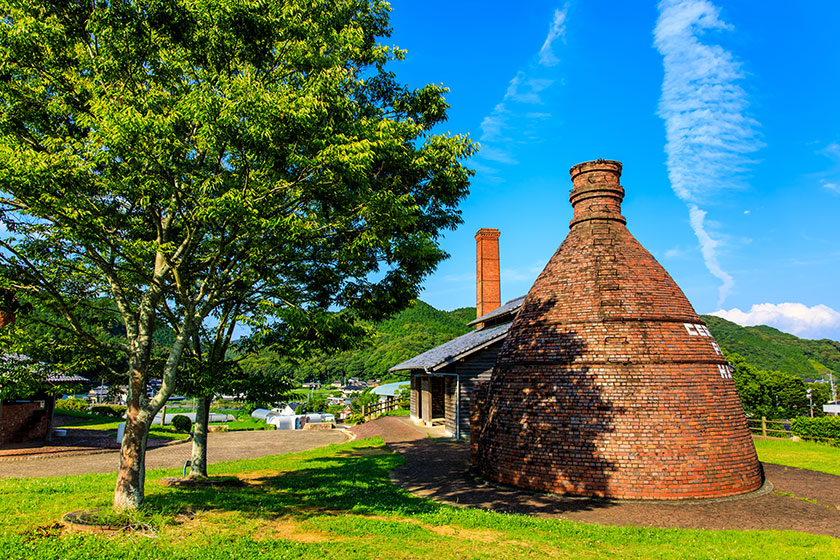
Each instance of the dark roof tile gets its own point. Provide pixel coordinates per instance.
(454, 349)
(507, 309)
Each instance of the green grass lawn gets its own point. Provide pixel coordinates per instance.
(247, 424)
(800, 454)
(337, 503)
(398, 412)
(110, 424)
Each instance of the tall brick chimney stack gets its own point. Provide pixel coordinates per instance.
(488, 294)
(608, 383)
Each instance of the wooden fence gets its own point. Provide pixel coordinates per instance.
(772, 428)
(781, 429)
(372, 410)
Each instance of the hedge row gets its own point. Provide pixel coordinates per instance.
(113, 410)
(825, 428)
(76, 405)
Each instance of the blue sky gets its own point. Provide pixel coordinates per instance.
(724, 114)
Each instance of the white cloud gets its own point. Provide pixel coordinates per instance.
(834, 187)
(527, 275)
(492, 124)
(832, 151)
(708, 247)
(465, 278)
(675, 253)
(525, 89)
(489, 173)
(557, 30)
(498, 155)
(795, 318)
(707, 129)
(514, 122)
(829, 178)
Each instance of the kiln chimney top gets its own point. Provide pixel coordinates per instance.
(596, 192)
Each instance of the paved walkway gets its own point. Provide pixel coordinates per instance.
(220, 447)
(801, 500)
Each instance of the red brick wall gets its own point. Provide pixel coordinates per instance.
(608, 383)
(6, 318)
(22, 422)
(488, 284)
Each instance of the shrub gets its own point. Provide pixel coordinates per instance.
(76, 405)
(825, 428)
(354, 419)
(182, 423)
(112, 410)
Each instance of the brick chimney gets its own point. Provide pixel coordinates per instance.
(488, 293)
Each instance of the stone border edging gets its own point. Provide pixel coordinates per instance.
(765, 488)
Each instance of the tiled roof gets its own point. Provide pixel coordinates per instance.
(508, 308)
(454, 349)
(64, 378)
(9, 357)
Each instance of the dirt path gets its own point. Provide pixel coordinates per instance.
(802, 500)
(220, 447)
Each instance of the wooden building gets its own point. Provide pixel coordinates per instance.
(442, 379)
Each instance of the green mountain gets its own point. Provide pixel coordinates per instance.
(419, 328)
(415, 330)
(770, 349)
(422, 327)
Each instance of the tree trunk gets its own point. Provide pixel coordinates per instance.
(140, 413)
(131, 478)
(198, 461)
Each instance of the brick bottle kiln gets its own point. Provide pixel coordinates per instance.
(609, 384)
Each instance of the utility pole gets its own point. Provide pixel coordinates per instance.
(833, 389)
(810, 401)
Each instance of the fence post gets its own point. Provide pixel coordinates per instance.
(764, 425)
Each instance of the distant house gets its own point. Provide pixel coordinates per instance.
(390, 389)
(104, 394)
(442, 379)
(352, 389)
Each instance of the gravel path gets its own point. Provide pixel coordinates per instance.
(801, 500)
(220, 447)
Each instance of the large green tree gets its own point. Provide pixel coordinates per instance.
(773, 394)
(169, 154)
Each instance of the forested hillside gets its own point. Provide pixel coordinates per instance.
(413, 331)
(770, 349)
(423, 327)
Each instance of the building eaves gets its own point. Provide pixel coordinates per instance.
(455, 349)
(507, 309)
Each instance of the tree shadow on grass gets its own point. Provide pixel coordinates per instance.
(352, 480)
